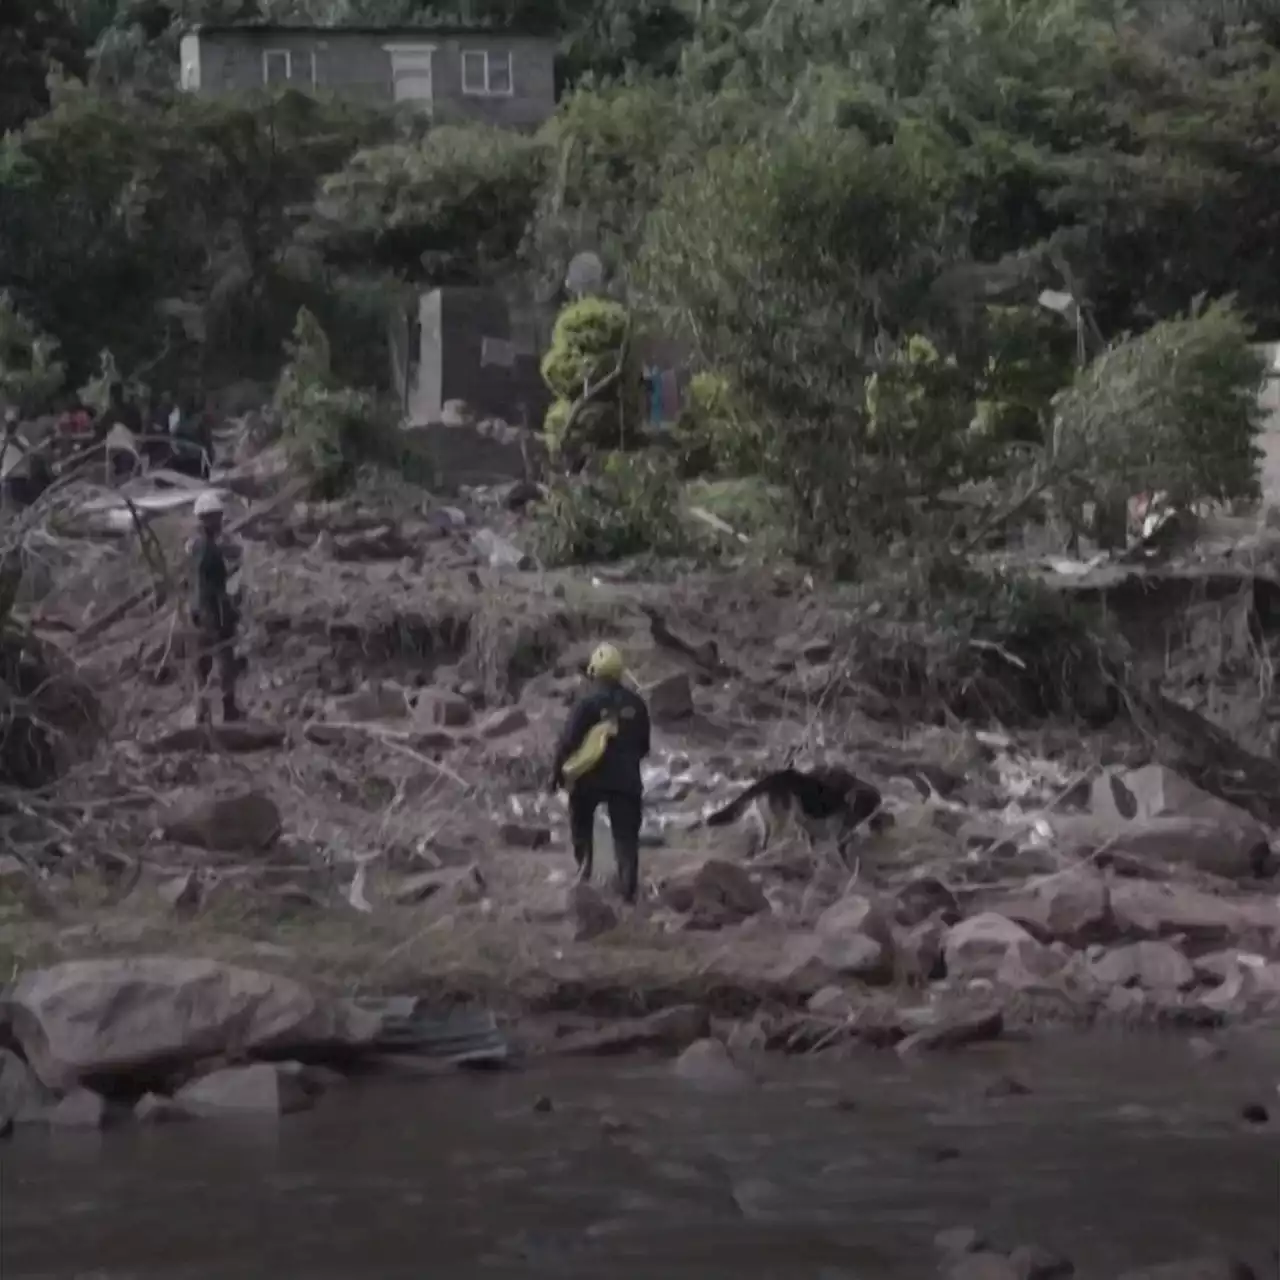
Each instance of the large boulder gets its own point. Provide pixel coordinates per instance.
(979, 946)
(138, 1018)
(1072, 906)
(1145, 909)
(714, 894)
(244, 822)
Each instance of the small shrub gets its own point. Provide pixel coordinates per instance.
(30, 371)
(629, 506)
(328, 429)
(713, 435)
(589, 340)
(1174, 409)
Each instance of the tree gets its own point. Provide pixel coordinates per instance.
(37, 39)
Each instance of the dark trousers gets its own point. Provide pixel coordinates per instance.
(625, 813)
(214, 649)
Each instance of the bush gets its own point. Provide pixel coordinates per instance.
(30, 371)
(628, 507)
(713, 435)
(1175, 410)
(328, 429)
(590, 343)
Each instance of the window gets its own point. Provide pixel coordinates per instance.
(486, 75)
(277, 66)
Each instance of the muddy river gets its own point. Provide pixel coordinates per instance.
(1123, 1152)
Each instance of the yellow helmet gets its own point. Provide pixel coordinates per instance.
(606, 663)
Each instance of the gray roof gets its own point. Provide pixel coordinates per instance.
(302, 28)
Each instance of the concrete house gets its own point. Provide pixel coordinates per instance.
(453, 74)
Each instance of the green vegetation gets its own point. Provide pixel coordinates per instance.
(846, 214)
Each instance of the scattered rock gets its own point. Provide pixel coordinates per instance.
(981, 1266)
(831, 1002)
(1005, 1087)
(1204, 1050)
(810, 962)
(182, 893)
(592, 914)
(1031, 1262)
(245, 822)
(1072, 907)
(673, 1028)
(376, 701)
(463, 885)
(449, 710)
(707, 1063)
(919, 951)
(261, 1089)
(1255, 1113)
(22, 1097)
(543, 1104)
(237, 738)
(1232, 848)
(714, 894)
(976, 947)
(1156, 791)
(1153, 966)
(525, 835)
(131, 1018)
(954, 1031)
(670, 699)
(155, 1108)
(80, 1109)
(498, 553)
(503, 723)
(1145, 909)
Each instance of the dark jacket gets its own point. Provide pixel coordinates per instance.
(211, 606)
(619, 769)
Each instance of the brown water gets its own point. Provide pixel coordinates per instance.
(1126, 1152)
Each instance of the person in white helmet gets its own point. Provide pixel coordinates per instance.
(213, 610)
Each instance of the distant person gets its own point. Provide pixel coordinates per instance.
(598, 758)
(214, 612)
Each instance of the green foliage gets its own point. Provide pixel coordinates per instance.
(713, 434)
(328, 429)
(37, 39)
(1174, 410)
(629, 506)
(590, 356)
(450, 208)
(30, 371)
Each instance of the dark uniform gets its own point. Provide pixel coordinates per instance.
(214, 614)
(615, 782)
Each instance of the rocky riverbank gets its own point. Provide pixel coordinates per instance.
(380, 825)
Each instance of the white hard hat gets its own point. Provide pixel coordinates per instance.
(209, 503)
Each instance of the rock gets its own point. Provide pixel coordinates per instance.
(155, 1108)
(80, 1109)
(446, 709)
(498, 553)
(464, 885)
(673, 1028)
(261, 1089)
(132, 1018)
(1153, 966)
(981, 1266)
(715, 894)
(376, 701)
(1205, 1268)
(592, 914)
(923, 898)
(812, 961)
(954, 1031)
(245, 822)
(976, 947)
(1234, 848)
(238, 738)
(182, 893)
(1155, 791)
(707, 1063)
(670, 699)
(831, 1002)
(1144, 909)
(503, 723)
(1031, 1262)
(817, 650)
(856, 913)
(1072, 907)
(1005, 1087)
(22, 1097)
(525, 835)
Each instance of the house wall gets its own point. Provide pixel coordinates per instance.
(358, 65)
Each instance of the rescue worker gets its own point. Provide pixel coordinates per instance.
(598, 758)
(213, 609)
